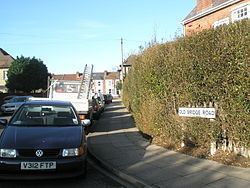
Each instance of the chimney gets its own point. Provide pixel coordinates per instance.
(78, 75)
(105, 73)
(203, 4)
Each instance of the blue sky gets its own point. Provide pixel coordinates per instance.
(67, 34)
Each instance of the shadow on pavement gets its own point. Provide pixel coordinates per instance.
(113, 119)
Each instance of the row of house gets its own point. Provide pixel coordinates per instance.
(103, 82)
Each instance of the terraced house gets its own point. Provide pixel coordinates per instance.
(213, 13)
(105, 82)
(5, 62)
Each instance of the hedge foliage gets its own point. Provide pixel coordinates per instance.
(211, 66)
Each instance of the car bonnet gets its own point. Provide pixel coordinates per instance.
(15, 137)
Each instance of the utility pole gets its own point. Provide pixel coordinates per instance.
(122, 59)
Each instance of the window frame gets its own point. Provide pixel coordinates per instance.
(237, 11)
(5, 75)
(224, 21)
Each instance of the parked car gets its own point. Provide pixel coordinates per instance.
(43, 139)
(108, 98)
(13, 104)
(97, 108)
(100, 99)
(7, 98)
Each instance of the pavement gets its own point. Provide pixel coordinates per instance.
(118, 146)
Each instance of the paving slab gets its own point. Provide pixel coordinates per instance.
(199, 179)
(228, 182)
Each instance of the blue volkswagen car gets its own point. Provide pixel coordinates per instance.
(43, 139)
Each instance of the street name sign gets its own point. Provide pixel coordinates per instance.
(197, 112)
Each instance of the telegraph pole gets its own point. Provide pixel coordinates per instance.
(122, 58)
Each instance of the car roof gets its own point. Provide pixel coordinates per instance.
(22, 96)
(9, 96)
(48, 102)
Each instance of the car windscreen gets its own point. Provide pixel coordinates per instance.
(45, 115)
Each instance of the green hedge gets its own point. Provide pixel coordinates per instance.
(211, 66)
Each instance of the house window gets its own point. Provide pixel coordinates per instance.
(241, 12)
(110, 83)
(110, 91)
(5, 76)
(99, 83)
(218, 23)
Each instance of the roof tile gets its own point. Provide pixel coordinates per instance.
(5, 59)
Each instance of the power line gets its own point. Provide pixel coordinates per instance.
(51, 37)
(132, 40)
(24, 35)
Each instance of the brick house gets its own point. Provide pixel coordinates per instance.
(5, 62)
(213, 13)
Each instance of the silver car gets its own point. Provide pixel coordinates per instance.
(13, 104)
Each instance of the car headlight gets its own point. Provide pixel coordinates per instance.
(74, 151)
(8, 153)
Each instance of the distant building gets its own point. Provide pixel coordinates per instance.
(213, 13)
(98, 82)
(5, 62)
(127, 64)
(103, 82)
(71, 77)
(111, 80)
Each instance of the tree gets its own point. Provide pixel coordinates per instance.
(27, 74)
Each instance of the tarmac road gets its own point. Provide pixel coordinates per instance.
(93, 179)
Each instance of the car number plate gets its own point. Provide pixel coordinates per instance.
(38, 165)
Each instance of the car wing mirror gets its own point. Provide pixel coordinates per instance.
(86, 122)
